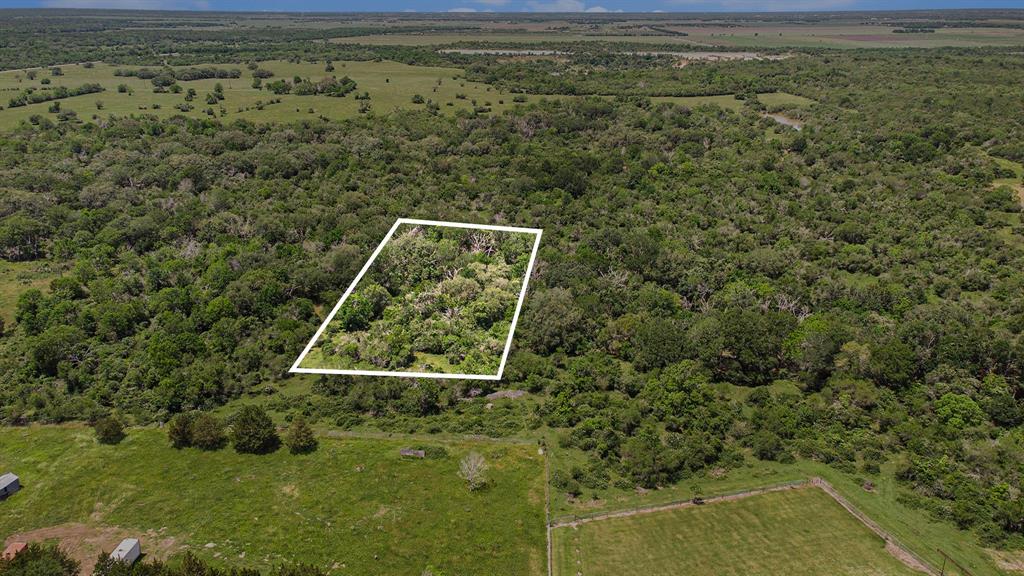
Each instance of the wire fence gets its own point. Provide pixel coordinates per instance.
(572, 519)
(874, 527)
(905, 553)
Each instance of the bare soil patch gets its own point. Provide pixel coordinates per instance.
(85, 543)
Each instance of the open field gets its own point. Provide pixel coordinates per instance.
(767, 36)
(390, 85)
(800, 532)
(915, 528)
(353, 507)
(16, 278)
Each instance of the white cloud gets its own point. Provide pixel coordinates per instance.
(130, 4)
(462, 9)
(597, 9)
(556, 6)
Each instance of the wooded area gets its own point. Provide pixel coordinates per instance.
(711, 285)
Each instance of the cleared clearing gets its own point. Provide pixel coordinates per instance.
(798, 532)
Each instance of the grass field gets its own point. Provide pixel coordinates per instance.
(801, 532)
(17, 277)
(745, 36)
(390, 85)
(915, 528)
(353, 507)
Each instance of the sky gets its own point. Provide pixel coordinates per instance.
(518, 5)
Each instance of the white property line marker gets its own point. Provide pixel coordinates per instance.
(511, 330)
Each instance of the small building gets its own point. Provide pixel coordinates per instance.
(127, 551)
(409, 452)
(9, 484)
(12, 550)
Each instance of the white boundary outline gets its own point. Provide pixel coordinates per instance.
(511, 331)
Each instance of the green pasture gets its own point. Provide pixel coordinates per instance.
(355, 506)
(800, 532)
(390, 85)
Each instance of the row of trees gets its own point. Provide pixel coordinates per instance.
(250, 430)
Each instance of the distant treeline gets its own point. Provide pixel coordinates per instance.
(31, 96)
(184, 75)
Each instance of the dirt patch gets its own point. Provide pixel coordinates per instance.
(1008, 560)
(290, 490)
(85, 543)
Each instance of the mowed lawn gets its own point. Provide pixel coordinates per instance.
(353, 507)
(801, 532)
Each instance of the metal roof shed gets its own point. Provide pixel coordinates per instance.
(9, 484)
(127, 551)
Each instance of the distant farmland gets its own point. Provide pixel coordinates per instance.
(353, 507)
(799, 532)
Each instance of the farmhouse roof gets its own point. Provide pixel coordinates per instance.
(8, 478)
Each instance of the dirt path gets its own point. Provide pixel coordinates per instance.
(678, 505)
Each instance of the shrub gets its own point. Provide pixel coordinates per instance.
(109, 430)
(300, 438)
(208, 432)
(40, 560)
(473, 469)
(179, 429)
(253, 432)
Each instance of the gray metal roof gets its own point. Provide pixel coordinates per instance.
(7, 478)
(126, 545)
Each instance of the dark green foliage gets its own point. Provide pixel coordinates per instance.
(252, 431)
(40, 560)
(180, 429)
(300, 438)
(31, 96)
(208, 432)
(109, 430)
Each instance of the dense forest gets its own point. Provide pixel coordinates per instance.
(436, 299)
(709, 284)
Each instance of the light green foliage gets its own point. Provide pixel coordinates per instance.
(433, 292)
